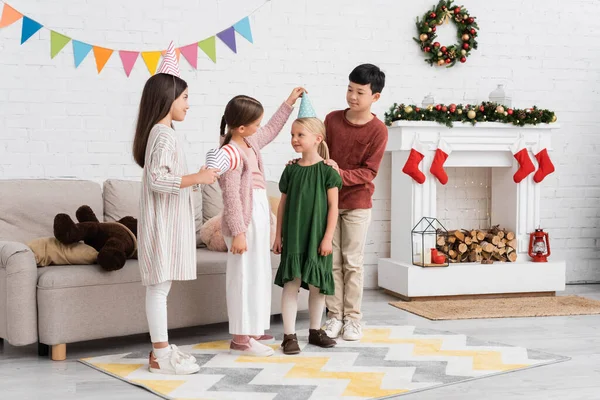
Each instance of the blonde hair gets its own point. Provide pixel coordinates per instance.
(316, 127)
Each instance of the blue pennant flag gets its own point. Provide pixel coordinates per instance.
(243, 28)
(80, 51)
(30, 27)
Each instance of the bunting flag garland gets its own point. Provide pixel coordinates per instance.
(59, 41)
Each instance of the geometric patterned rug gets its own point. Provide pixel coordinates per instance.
(389, 361)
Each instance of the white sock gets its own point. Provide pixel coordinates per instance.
(161, 353)
(289, 305)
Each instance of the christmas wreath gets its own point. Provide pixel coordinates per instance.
(484, 112)
(466, 32)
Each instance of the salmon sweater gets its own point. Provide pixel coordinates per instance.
(236, 184)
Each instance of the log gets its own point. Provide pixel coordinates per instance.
(462, 248)
(451, 239)
(501, 244)
(468, 240)
(500, 234)
(512, 243)
(480, 236)
(452, 254)
(459, 235)
(441, 241)
(495, 240)
(512, 256)
(487, 247)
(510, 235)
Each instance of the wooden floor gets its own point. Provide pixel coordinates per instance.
(26, 376)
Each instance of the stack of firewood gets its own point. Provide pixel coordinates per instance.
(494, 244)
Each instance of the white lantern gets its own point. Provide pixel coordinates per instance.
(499, 96)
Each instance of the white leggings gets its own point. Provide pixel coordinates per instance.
(156, 311)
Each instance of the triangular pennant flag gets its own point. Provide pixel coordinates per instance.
(243, 28)
(151, 59)
(128, 58)
(190, 52)
(30, 27)
(102, 55)
(57, 43)
(208, 46)
(9, 16)
(80, 51)
(228, 37)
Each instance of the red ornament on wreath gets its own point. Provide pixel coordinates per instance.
(446, 11)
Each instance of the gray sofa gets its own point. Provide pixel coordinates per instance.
(56, 305)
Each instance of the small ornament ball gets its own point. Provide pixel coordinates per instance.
(423, 37)
(471, 114)
(500, 110)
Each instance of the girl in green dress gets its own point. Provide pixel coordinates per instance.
(306, 220)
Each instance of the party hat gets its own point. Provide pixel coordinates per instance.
(226, 158)
(306, 108)
(169, 63)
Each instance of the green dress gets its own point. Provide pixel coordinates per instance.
(304, 225)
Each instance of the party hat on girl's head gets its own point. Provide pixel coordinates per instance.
(306, 108)
(169, 63)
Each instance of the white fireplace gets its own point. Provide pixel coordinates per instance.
(513, 206)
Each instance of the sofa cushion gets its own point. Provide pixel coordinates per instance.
(64, 276)
(212, 201)
(28, 206)
(122, 198)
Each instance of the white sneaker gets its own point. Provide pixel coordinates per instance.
(172, 364)
(333, 327)
(352, 330)
(250, 349)
(188, 358)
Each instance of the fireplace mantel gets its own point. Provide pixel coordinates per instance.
(514, 206)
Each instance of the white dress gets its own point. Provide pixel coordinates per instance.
(166, 230)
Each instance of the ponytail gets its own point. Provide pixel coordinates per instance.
(323, 150)
(225, 138)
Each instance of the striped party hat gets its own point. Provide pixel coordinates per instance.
(226, 158)
(169, 64)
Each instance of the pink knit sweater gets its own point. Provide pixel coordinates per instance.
(237, 184)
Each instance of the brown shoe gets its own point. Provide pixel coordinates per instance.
(290, 344)
(318, 337)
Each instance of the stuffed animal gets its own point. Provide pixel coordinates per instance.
(212, 237)
(114, 241)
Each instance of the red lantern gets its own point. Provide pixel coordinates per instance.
(539, 246)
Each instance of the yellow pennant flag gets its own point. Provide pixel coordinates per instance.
(151, 58)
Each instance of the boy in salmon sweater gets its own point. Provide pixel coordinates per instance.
(357, 141)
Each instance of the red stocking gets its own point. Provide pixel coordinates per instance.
(545, 166)
(437, 167)
(411, 168)
(520, 153)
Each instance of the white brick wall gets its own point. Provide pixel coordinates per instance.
(58, 121)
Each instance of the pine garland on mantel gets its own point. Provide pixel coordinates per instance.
(484, 112)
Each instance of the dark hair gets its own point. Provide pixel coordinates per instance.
(241, 110)
(366, 74)
(160, 91)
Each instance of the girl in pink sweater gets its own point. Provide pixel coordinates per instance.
(246, 222)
